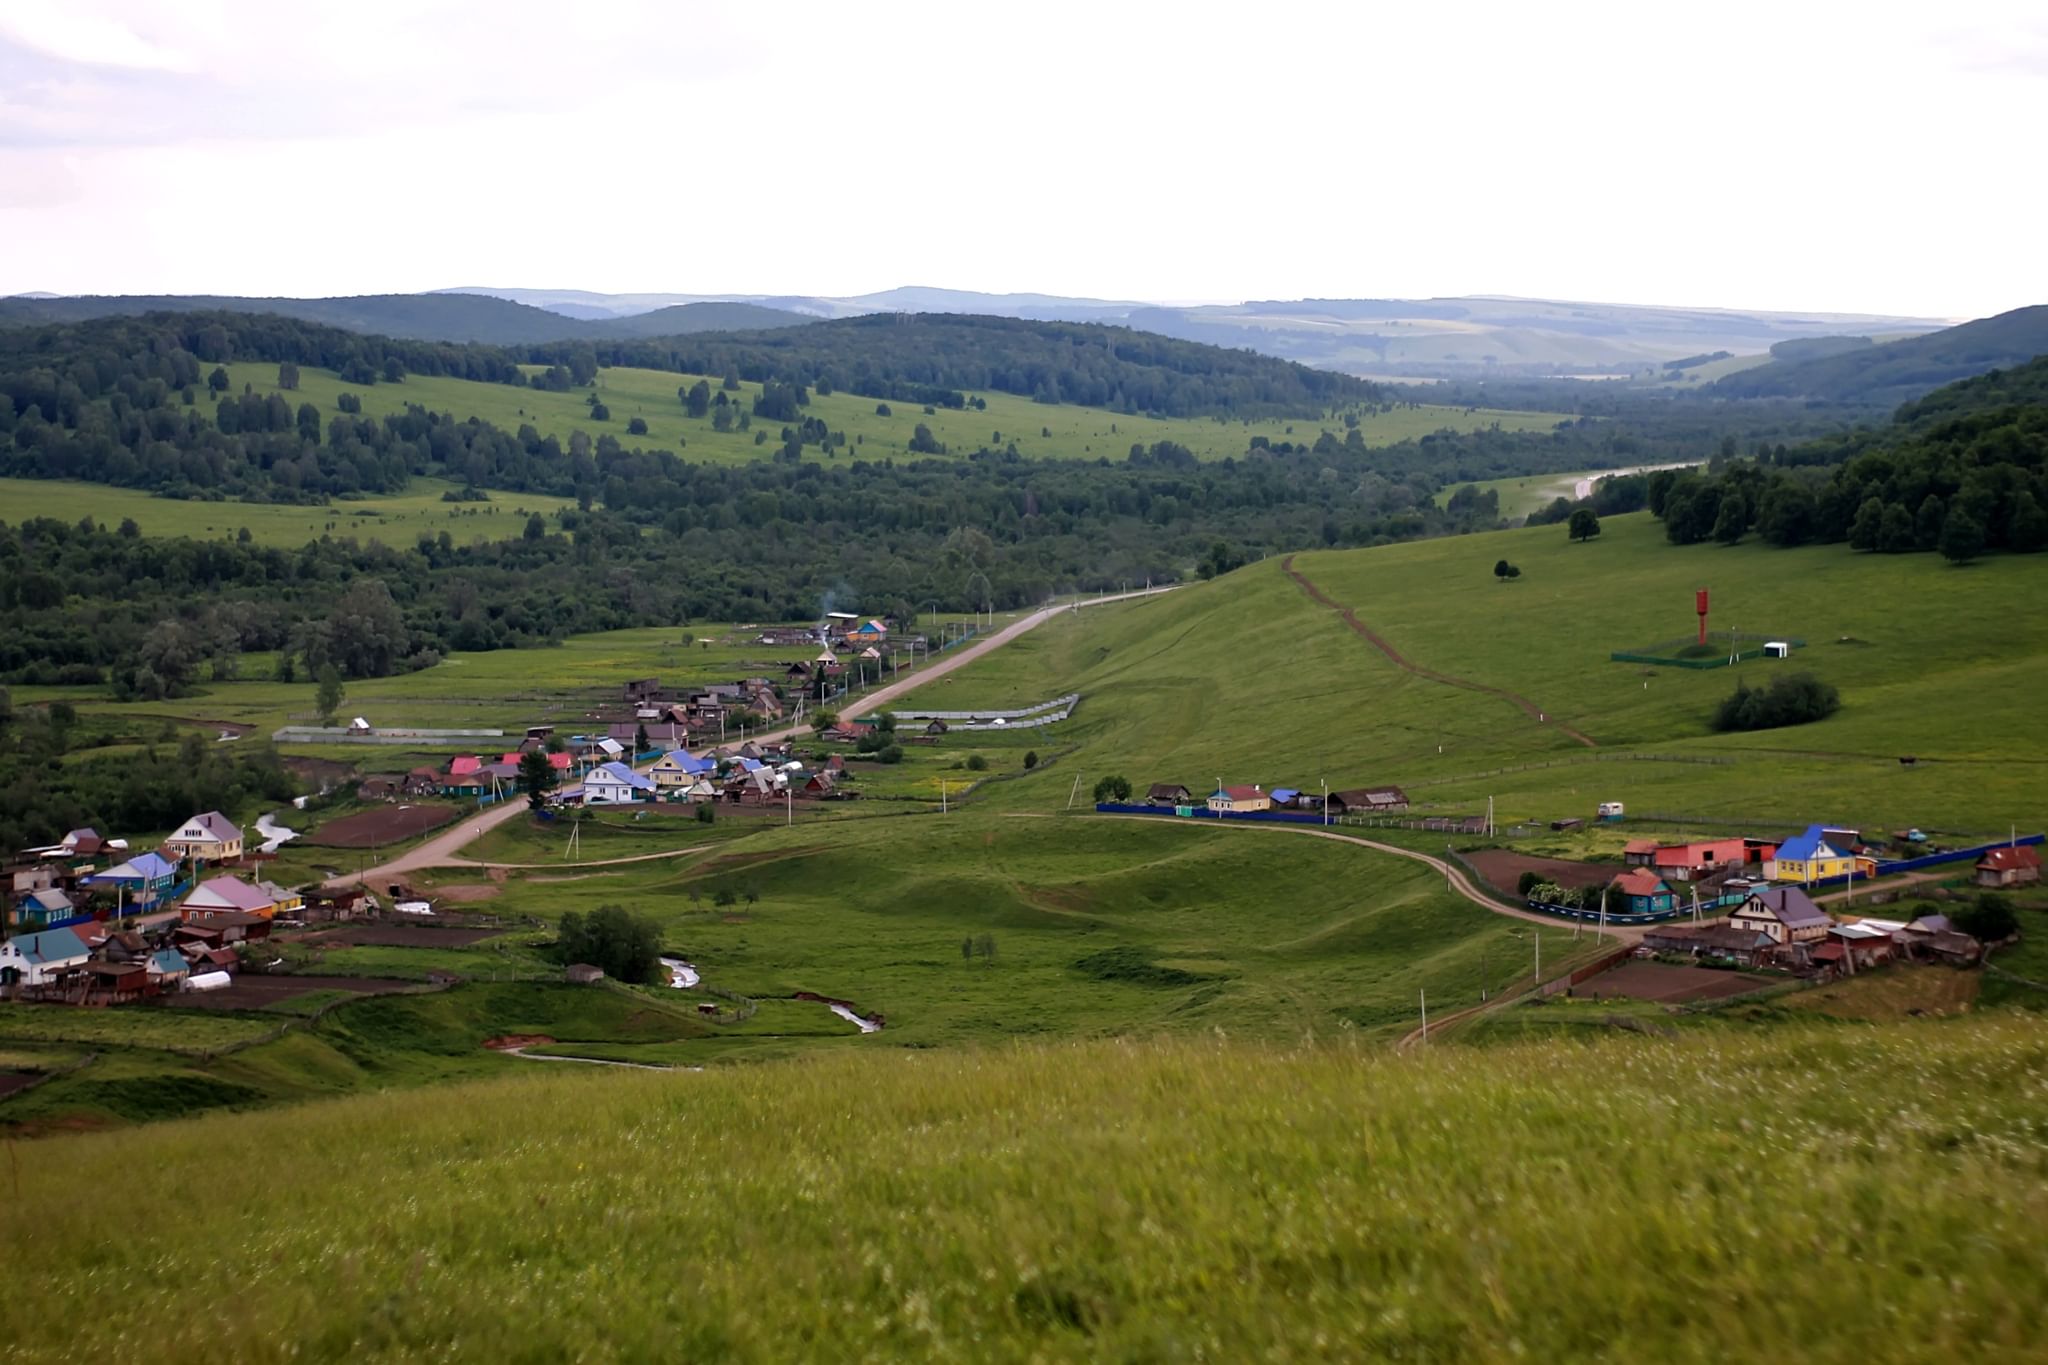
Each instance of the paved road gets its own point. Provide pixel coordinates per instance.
(441, 850)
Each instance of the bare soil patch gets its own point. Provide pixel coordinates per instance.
(732, 862)
(254, 992)
(387, 825)
(507, 1042)
(1675, 985)
(1504, 869)
(11, 1081)
(398, 936)
(468, 891)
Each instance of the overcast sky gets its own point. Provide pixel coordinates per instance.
(1863, 157)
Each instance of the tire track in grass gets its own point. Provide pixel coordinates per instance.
(1371, 637)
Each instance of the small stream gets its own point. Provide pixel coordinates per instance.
(273, 833)
(681, 975)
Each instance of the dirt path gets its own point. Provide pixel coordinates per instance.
(1457, 880)
(1371, 637)
(441, 850)
(524, 1055)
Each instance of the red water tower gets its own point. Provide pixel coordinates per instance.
(1699, 604)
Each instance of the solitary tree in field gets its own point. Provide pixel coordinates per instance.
(536, 528)
(1503, 571)
(536, 777)
(218, 380)
(1584, 525)
(1962, 538)
(1115, 787)
(287, 375)
(327, 699)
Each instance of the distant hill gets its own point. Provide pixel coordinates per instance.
(685, 318)
(1899, 371)
(463, 317)
(1439, 338)
(941, 358)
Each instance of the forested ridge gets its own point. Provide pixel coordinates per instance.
(1894, 372)
(1963, 470)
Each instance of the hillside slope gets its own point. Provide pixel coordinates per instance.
(1629, 1200)
(1900, 370)
(1248, 679)
(411, 317)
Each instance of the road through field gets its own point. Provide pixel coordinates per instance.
(1371, 637)
(442, 849)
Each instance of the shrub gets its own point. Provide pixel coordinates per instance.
(1789, 699)
(1030, 759)
(1989, 920)
(1527, 883)
(1115, 787)
(976, 763)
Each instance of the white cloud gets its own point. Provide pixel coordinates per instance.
(1761, 155)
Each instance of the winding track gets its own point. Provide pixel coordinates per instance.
(1372, 637)
(441, 850)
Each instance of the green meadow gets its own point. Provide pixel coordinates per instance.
(1531, 492)
(1040, 431)
(1246, 679)
(398, 520)
(1196, 1197)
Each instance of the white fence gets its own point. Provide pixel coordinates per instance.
(1045, 713)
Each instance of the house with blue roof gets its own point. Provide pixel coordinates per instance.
(38, 959)
(46, 904)
(168, 968)
(678, 770)
(141, 883)
(615, 784)
(1809, 857)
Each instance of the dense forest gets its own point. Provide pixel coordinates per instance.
(1963, 470)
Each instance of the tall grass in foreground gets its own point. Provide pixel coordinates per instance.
(1839, 1195)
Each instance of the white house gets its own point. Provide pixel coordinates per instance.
(615, 784)
(36, 959)
(211, 837)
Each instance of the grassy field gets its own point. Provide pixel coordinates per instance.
(1040, 431)
(1245, 678)
(1105, 1200)
(1097, 928)
(397, 521)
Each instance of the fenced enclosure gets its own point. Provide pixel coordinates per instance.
(1723, 647)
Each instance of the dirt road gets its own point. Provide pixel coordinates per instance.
(441, 850)
(1372, 637)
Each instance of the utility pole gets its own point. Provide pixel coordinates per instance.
(1424, 996)
(1074, 791)
(942, 796)
(1326, 800)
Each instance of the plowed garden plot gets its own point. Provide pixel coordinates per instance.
(1504, 869)
(376, 828)
(263, 992)
(397, 936)
(1675, 985)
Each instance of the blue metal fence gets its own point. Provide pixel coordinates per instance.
(1270, 817)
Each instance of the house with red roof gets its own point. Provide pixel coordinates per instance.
(1684, 862)
(1643, 892)
(2014, 865)
(1228, 800)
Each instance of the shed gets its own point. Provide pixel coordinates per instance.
(584, 974)
(2013, 865)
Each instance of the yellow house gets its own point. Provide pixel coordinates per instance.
(1809, 857)
(1234, 799)
(207, 838)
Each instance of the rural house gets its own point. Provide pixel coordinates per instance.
(615, 784)
(678, 769)
(1643, 892)
(1237, 800)
(2015, 865)
(1808, 857)
(227, 895)
(1367, 800)
(138, 884)
(207, 838)
(1169, 794)
(1685, 862)
(167, 969)
(38, 959)
(1787, 914)
(1721, 942)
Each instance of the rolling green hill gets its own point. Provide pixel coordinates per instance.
(1898, 371)
(1632, 1199)
(1247, 679)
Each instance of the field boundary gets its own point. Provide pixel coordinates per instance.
(1372, 637)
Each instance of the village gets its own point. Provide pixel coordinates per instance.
(1742, 902)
